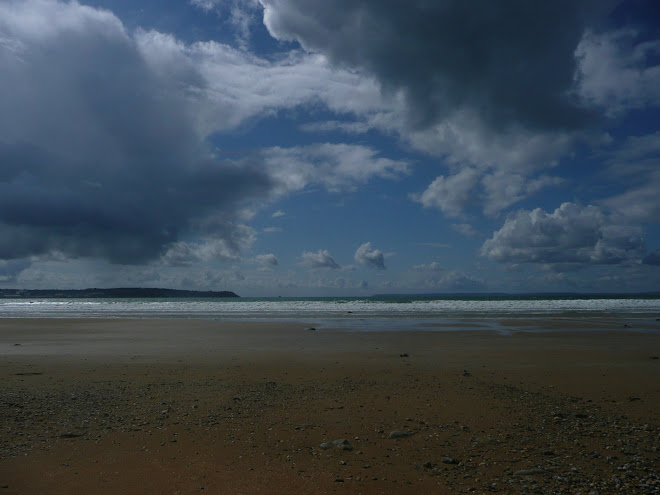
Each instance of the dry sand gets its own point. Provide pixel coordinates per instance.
(186, 406)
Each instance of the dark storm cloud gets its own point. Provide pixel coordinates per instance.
(99, 153)
(9, 270)
(510, 61)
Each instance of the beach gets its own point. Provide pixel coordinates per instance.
(188, 406)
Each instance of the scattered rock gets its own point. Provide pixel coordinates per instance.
(632, 399)
(399, 434)
(310, 329)
(555, 421)
(404, 355)
(28, 374)
(466, 373)
(341, 444)
(655, 357)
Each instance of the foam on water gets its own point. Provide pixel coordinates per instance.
(331, 308)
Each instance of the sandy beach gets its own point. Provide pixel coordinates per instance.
(187, 406)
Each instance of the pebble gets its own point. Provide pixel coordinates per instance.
(341, 444)
(399, 434)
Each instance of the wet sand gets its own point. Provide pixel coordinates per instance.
(187, 406)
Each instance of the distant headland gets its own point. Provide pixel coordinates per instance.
(121, 292)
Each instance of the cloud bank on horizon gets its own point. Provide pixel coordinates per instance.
(476, 146)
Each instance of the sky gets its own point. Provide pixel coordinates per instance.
(315, 148)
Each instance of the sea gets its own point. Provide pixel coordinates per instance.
(503, 313)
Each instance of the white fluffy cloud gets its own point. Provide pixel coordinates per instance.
(335, 166)
(470, 189)
(226, 87)
(222, 243)
(489, 170)
(320, 260)
(570, 234)
(372, 258)
(453, 194)
(616, 73)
